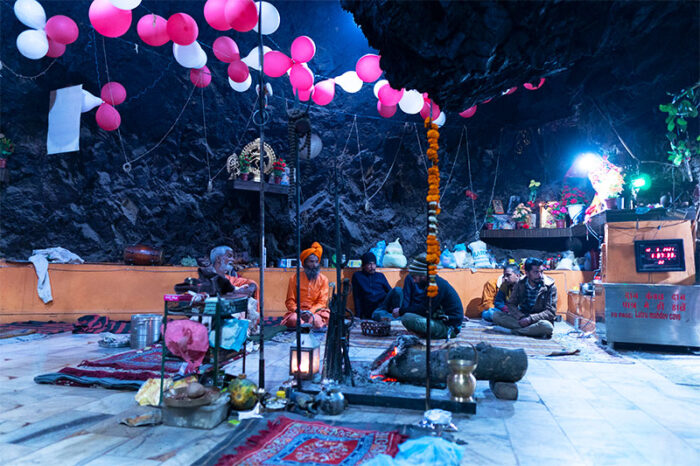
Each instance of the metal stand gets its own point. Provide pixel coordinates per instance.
(263, 252)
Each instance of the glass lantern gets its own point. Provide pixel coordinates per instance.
(310, 355)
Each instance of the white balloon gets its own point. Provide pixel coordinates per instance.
(33, 43)
(440, 120)
(125, 4)
(190, 56)
(411, 102)
(268, 89)
(349, 81)
(378, 85)
(30, 13)
(89, 102)
(240, 87)
(270, 18)
(253, 58)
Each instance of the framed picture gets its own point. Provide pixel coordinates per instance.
(497, 206)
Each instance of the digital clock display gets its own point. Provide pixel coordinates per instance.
(663, 255)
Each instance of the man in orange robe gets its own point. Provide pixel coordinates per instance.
(314, 292)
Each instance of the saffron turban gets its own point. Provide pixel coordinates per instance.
(315, 249)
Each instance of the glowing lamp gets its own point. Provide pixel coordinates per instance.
(641, 182)
(310, 355)
(587, 162)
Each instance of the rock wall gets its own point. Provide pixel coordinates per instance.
(86, 202)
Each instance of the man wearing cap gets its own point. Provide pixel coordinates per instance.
(371, 292)
(314, 292)
(447, 313)
(532, 305)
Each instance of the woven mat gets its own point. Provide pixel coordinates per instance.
(472, 332)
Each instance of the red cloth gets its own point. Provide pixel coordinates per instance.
(189, 340)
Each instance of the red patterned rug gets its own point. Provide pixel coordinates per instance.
(291, 442)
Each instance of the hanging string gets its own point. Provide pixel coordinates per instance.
(94, 45)
(454, 163)
(347, 140)
(3, 66)
(493, 188)
(471, 184)
(421, 154)
(240, 138)
(362, 169)
(398, 149)
(207, 149)
(127, 166)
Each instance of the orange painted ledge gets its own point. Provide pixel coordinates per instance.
(119, 291)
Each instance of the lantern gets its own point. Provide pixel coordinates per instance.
(310, 355)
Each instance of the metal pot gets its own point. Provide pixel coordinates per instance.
(145, 330)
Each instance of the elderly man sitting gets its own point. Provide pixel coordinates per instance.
(221, 268)
(314, 292)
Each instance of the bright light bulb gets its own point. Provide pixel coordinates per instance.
(587, 162)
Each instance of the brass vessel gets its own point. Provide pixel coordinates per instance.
(461, 382)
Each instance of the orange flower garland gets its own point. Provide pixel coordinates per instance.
(433, 198)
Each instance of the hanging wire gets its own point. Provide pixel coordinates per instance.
(471, 184)
(4, 66)
(398, 149)
(454, 163)
(421, 154)
(94, 45)
(362, 169)
(127, 165)
(207, 149)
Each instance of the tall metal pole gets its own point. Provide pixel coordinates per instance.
(263, 252)
(297, 180)
(427, 337)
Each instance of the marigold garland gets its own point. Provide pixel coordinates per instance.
(433, 198)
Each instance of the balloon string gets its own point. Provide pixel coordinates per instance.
(4, 66)
(207, 149)
(110, 89)
(459, 147)
(97, 67)
(421, 154)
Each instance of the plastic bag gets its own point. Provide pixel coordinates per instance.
(447, 260)
(460, 254)
(421, 451)
(480, 254)
(568, 262)
(378, 252)
(393, 255)
(233, 334)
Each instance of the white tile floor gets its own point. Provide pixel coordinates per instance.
(567, 413)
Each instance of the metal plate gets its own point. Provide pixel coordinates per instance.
(653, 314)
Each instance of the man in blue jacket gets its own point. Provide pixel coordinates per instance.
(447, 312)
(372, 293)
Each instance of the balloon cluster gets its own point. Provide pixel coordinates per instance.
(46, 38)
(301, 77)
(108, 118)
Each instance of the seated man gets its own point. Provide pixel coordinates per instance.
(447, 310)
(371, 292)
(497, 291)
(314, 292)
(532, 305)
(221, 258)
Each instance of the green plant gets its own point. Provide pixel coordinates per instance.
(557, 209)
(244, 161)
(7, 147)
(490, 218)
(683, 107)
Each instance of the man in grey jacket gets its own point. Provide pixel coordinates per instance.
(532, 305)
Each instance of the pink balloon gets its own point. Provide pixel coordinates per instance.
(62, 29)
(303, 95)
(182, 29)
(303, 49)
(486, 101)
(241, 15)
(153, 30)
(108, 117)
(510, 91)
(301, 77)
(275, 64)
(113, 93)
(324, 92)
(109, 20)
(387, 111)
(425, 112)
(527, 86)
(389, 96)
(214, 13)
(225, 49)
(56, 49)
(238, 71)
(368, 69)
(468, 113)
(200, 77)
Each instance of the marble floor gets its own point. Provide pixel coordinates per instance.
(567, 413)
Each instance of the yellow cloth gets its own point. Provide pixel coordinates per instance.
(315, 249)
(488, 295)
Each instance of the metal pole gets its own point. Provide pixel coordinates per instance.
(263, 254)
(427, 338)
(297, 187)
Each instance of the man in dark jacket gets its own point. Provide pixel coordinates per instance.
(532, 305)
(372, 293)
(447, 313)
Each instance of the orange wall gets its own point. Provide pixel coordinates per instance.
(120, 291)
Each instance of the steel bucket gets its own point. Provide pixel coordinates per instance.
(145, 330)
